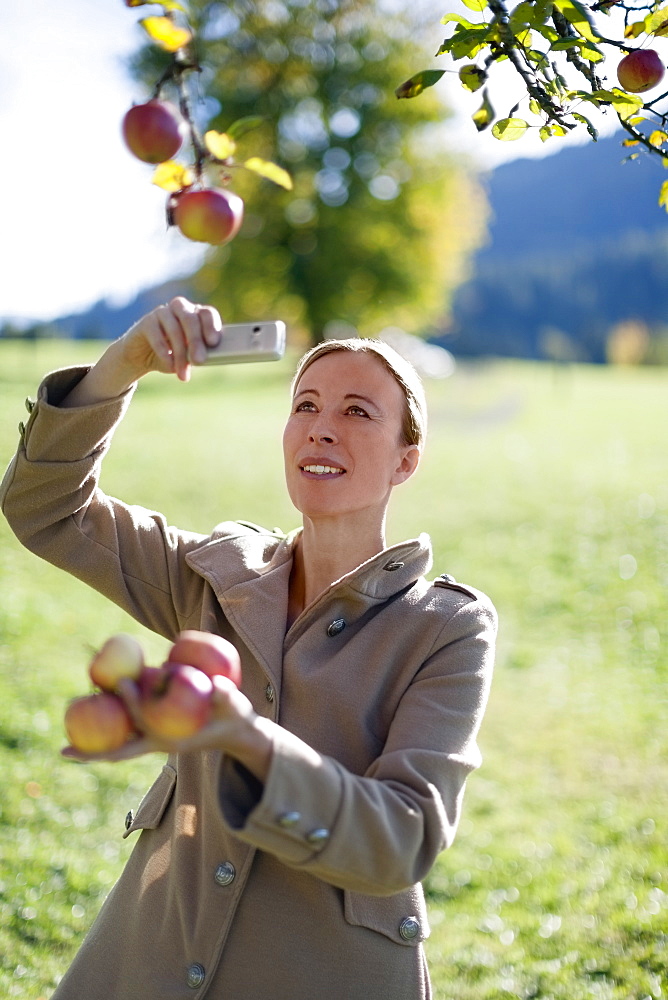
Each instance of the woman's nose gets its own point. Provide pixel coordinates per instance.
(322, 431)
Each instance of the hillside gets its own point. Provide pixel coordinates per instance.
(577, 244)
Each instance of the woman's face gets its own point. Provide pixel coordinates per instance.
(342, 443)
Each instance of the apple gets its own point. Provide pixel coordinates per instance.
(212, 215)
(640, 70)
(175, 700)
(208, 652)
(153, 131)
(98, 723)
(121, 656)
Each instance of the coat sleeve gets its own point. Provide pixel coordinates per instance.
(380, 832)
(52, 501)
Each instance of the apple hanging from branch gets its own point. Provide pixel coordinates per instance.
(154, 132)
(640, 70)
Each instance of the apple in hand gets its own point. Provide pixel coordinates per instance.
(174, 700)
(640, 70)
(120, 657)
(208, 652)
(153, 131)
(213, 215)
(98, 723)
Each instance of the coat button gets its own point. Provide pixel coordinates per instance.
(288, 819)
(318, 837)
(409, 928)
(336, 627)
(195, 975)
(225, 873)
(269, 692)
(129, 819)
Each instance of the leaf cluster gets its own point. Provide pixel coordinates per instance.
(558, 49)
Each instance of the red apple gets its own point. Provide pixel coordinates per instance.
(98, 723)
(213, 215)
(175, 700)
(640, 70)
(153, 131)
(120, 656)
(208, 652)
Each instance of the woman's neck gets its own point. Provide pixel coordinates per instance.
(324, 553)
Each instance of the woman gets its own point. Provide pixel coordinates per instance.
(282, 848)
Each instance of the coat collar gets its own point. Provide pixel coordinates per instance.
(249, 572)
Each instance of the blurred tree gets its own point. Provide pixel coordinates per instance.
(381, 222)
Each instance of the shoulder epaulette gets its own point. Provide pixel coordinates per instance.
(449, 583)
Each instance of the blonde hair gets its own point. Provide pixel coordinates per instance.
(414, 422)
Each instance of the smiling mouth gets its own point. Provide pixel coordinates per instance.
(322, 470)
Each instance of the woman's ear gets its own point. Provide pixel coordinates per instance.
(409, 462)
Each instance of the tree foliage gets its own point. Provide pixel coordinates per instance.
(559, 51)
(378, 224)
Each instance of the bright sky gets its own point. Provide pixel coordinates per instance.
(81, 220)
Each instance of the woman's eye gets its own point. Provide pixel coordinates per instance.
(305, 406)
(357, 411)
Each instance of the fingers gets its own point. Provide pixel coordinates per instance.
(179, 334)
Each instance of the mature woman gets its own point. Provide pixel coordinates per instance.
(282, 849)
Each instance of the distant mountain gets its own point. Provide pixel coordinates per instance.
(577, 244)
(105, 321)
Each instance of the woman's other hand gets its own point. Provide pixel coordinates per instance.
(234, 728)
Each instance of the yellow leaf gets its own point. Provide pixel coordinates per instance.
(657, 138)
(663, 195)
(219, 144)
(265, 168)
(165, 33)
(634, 30)
(172, 176)
(630, 142)
(482, 118)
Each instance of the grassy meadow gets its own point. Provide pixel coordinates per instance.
(547, 488)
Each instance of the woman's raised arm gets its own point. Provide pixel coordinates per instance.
(167, 340)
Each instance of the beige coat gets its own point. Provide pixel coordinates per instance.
(307, 888)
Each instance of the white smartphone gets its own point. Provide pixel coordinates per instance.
(261, 341)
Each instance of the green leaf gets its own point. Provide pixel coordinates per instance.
(472, 77)
(542, 9)
(624, 104)
(534, 106)
(509, 129)
(477, 5)
(593, 132)
(545, 133)
(549, 33)
(482, 118)
(467, 42)
(243, 125)
(272, 172)
(656, 23)
(591, 53)
(576, 15)
(447, 18)
(565, 43)
(419, 82)
(521, 16)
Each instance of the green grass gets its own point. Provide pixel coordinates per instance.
(546, 488)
